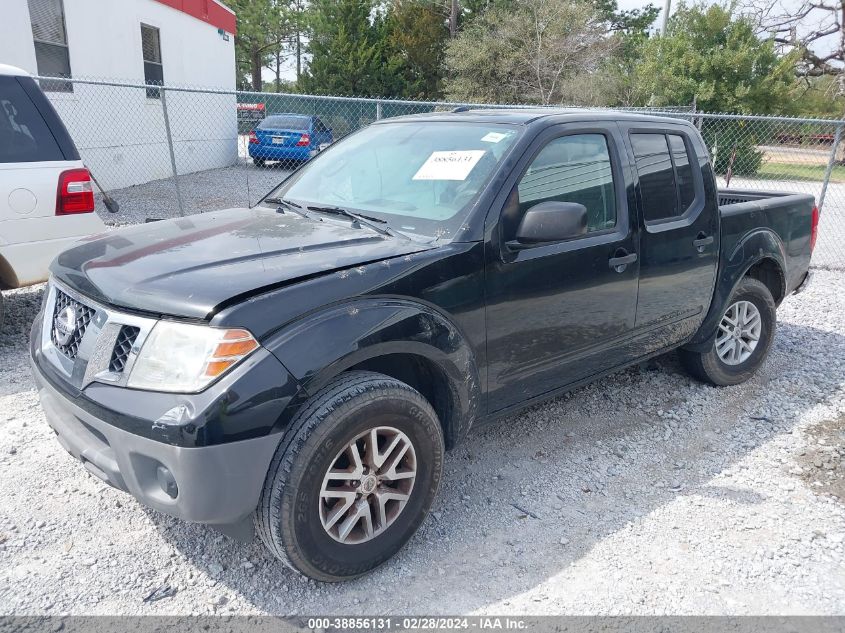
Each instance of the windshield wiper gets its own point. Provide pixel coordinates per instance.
(358, 218)
(290, 204)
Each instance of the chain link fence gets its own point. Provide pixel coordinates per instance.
(165, 151)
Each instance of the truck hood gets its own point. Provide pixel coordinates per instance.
(188, 267)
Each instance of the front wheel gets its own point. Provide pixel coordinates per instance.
(743, 338)
(354, 479)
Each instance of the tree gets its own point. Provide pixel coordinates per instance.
(631, 21)
(715, 59)
(346, 49)
(262, 27)
(812, 26)
(415, 35)
(815, 31)
(527, 52)
(614, 83)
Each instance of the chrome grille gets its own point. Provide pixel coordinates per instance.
(122, 347)
(87, 341)
(82, 315)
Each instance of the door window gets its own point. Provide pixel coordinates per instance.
(573, 168)
(667, 187)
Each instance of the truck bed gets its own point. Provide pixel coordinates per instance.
(786, 217)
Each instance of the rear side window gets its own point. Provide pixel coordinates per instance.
(573, 168)
(298, 123)
(667, 187)
(24, 136)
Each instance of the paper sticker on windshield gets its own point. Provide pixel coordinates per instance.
(449, 165)
(494, 137)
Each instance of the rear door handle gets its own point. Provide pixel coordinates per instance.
(619, 264)
(702, 241)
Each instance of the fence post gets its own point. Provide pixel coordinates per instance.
(163, 93)
(378, 110)
(837, 138)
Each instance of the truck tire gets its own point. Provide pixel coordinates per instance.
(743, 338)
(333, 507)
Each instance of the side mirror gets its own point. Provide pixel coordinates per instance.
(551, 221)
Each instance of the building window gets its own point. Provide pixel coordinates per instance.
(49, 35)
(151, 50)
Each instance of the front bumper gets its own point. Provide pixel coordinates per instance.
(206, 465)
(213, 484)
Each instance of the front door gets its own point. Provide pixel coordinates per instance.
(556, 311)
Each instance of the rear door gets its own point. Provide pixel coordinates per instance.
(560, 312)
(679, 217)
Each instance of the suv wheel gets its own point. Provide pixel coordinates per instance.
(353, 479)
(743, 338)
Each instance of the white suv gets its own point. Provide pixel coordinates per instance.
(46, 198)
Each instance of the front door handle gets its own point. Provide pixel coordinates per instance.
(620, 262)
(702, 241)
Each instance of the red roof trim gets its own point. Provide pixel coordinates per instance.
(208, 11)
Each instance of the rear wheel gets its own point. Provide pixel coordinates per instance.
(743, 338)
(354, 479)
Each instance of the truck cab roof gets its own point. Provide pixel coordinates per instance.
(526, 116)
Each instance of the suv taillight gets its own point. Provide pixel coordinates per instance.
(75, 193)
(304, 140)
(814, 228)
(253, 138)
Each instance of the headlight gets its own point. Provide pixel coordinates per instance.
(182, 357)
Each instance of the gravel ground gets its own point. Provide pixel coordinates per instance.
(237, 186)
(647, 493)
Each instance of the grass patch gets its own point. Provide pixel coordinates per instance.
(793, 171)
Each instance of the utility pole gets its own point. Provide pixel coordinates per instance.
(298, 39)
(453, 20)
(667, 7)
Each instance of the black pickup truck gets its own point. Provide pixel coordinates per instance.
(298, 369)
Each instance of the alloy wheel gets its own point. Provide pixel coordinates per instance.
(368, 485)
(739, 333)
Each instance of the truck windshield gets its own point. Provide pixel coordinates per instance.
(419, 177)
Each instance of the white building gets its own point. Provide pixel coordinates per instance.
(120, 131)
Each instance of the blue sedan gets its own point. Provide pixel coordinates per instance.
(289, 138)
